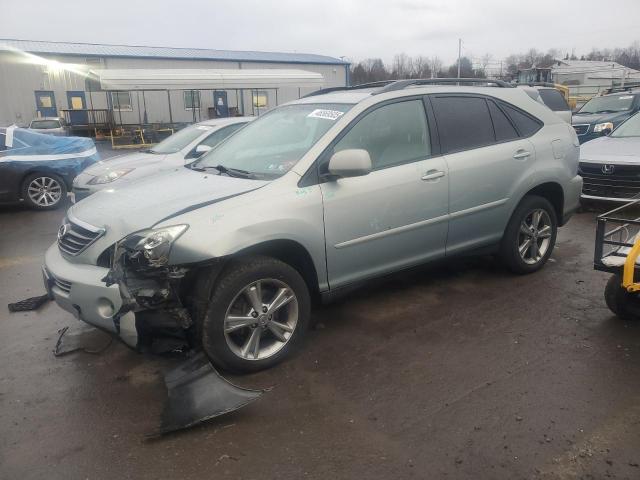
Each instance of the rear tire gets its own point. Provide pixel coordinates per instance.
(530, 235)
(622, 303)
(43, 191)
(244, 306)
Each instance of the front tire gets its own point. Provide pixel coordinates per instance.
(530, 235)
(258, 314)
(43, 191)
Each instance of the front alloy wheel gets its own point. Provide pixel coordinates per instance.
(258, 313)
(261, 319)
(43, 191)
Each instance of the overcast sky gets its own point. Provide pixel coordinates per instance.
(355, 29)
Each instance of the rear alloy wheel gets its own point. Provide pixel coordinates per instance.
(258, 314)
(43, 191)
(530, 235)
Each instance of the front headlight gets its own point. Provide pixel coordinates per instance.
(154, 244)
(110, 176)
(602, 126)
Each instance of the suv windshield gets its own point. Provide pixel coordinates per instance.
(271, 145)
(40, 124)
(180, 139)
(608, 104)
(630, 128)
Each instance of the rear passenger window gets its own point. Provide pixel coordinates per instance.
(553, 99)
(526, 125)
(463, 122)
(392, 134)
(501, 124)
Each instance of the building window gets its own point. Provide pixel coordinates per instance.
(191, 99)
(121, 101)
(260, 98)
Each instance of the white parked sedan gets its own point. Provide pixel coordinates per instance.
(180, 148)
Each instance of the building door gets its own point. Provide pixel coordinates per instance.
(78, 108)
(46, 103)
(220, 101)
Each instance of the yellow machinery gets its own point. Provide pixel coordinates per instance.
(617, 250)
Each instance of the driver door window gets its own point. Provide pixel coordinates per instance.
(392, 134)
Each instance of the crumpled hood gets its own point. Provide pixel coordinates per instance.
(611, 150)
(593, 118)
(131, 207)
(130, 160)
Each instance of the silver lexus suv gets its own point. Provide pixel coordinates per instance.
(309, 200)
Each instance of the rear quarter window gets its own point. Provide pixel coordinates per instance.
(554, 100)
(505, 130)
(524, 123)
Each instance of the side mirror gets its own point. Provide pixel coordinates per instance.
(606, 132)
(201, 149)
(353, 162)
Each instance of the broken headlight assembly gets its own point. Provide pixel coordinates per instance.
(152, 246)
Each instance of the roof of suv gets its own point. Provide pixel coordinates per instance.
(358, 93)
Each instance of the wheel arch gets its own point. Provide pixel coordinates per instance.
(554, 193)
(291, 253)
(45, 171)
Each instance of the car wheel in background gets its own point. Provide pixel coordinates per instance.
(43, 191)
(530, 235)
(258, 314)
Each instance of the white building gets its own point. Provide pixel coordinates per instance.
(152, 85)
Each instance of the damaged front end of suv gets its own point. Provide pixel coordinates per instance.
(152, 290)
(165, 304)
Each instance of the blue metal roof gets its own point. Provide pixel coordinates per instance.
(102, 50)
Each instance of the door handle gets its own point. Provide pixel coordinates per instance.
(520, 154)
(432, 175)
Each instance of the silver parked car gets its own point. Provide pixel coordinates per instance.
(309, 200)
(182, 147)
(50, 125)
(610, 165)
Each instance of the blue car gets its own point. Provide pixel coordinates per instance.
(600, 115)
(39, 169)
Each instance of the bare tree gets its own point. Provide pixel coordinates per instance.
(435, 66)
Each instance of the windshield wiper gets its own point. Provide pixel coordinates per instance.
(232, 172)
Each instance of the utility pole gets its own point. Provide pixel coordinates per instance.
(459, 54)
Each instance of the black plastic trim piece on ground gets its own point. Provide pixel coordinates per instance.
(29, 304)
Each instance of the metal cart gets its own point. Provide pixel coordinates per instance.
(617, 250)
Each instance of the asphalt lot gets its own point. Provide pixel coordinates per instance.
(459, 371)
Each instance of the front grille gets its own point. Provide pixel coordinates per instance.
(581, 129)
(74, 238)
(623, 182)
(63, 285)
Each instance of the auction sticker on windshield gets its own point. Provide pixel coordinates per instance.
(326, 114)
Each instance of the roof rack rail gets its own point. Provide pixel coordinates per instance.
(536, 84)
(627, 86)
(322, 91)
(402, 84)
